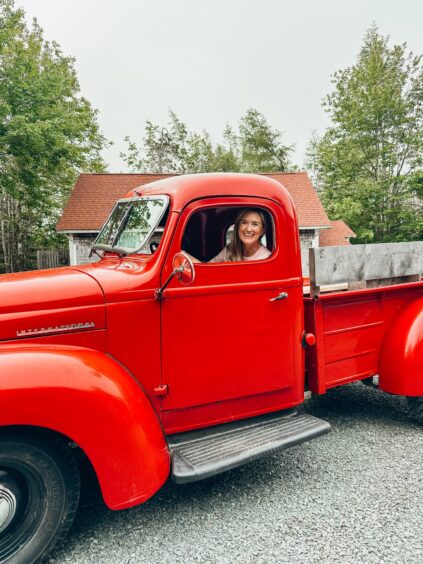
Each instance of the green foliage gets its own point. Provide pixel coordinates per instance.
(256, 147)
(48, 135)
(261, 146)
(311, 161)
(370, 160)
(169, 149)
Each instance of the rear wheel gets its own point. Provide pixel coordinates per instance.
(39, 492)
(415, 408)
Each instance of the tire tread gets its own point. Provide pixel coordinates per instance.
(415, 408)
(57, 450)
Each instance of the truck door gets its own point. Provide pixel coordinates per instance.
(225, 337)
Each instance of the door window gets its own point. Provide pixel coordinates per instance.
(210, 233)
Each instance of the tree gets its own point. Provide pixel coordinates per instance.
(261, 146)
(157, 154)
(168, 149)
(48, 135)
(311, 161)
(256, 147)
(370, 159)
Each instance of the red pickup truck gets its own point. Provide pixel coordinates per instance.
(153, 366)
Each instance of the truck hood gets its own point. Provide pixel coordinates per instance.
(49, 302)
(123, 280)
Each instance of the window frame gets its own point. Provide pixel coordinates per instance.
(266, 209)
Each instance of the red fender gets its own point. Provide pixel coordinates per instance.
(401, 359)
(90, 398)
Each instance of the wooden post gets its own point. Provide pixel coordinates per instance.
(314, 288)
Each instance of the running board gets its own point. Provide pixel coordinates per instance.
(200, 454)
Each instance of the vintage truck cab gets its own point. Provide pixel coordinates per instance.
(150, 364)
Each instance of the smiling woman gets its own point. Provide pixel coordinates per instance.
(229, 234)
(245, 244)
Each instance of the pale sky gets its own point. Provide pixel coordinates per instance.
(210, 60)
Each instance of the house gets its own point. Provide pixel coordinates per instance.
(94, 195)
(338, 234)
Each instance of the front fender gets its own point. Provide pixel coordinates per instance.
(401, 358)
(90, 398)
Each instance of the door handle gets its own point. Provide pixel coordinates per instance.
(281, 296)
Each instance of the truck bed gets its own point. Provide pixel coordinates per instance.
(349, 329)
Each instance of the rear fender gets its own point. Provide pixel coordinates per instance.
(90, 398)
(401, 358)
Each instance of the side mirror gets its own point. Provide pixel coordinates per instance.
(183, 269)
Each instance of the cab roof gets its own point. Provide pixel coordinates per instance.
(186, 188)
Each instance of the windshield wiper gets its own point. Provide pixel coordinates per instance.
(118, 250)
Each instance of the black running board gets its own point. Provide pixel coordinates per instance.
(200, 454)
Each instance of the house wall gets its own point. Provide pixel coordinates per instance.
(309, 238)
(80, 247)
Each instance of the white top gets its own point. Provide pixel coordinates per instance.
(261, 254)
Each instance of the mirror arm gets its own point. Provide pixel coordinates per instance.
(159, 292)
(94, 251)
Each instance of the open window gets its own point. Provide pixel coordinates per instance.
(209, 230)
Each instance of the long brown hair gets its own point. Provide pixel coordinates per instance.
(235, 247)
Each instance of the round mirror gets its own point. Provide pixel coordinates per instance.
(183, 268)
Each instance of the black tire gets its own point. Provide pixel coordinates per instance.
(368, 382)
(39, 494)
(415, 408)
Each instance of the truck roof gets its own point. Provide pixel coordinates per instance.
(184, 189)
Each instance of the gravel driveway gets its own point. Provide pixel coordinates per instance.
(354, 495)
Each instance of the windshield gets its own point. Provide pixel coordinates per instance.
(131, 223)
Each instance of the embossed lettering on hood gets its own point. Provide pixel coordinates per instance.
(47, 302)
(55, 329)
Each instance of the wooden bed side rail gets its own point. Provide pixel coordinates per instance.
(365, 266)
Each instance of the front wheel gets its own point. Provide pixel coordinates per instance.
(415, 408)
(39, 493)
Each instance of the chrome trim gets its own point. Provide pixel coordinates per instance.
(282, 296)
(7, 507)
(55, 329)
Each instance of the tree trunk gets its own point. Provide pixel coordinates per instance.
(9, 225)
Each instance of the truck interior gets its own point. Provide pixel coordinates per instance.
(209, 230)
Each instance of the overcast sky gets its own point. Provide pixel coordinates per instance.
(210, 60)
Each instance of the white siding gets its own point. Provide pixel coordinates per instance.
(79, 248)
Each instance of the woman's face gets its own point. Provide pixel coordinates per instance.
(250, 229)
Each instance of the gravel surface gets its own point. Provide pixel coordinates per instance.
(354, 495)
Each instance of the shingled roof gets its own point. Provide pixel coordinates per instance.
(93, 196)
(309, 208)
(338, 234)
